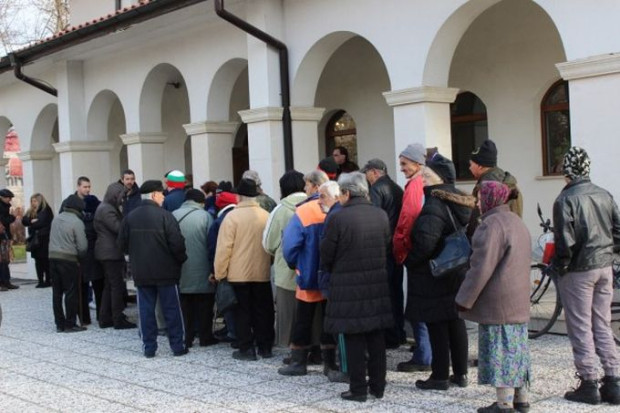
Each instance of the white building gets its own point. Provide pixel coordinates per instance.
(168, 84)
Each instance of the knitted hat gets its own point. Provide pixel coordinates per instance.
(486, 154)
(576, 163)
(247, 187)
(252, 175)
(151, 186)
(443, 167)
(329, 166)
(492, 194)
(195, 195)
(415, 152)
(175, 179)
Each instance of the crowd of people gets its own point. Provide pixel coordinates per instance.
(322, 271)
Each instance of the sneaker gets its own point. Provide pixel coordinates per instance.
(610, 390)
(432, 384)
(587, 392)
(411, 366)
(459, 380)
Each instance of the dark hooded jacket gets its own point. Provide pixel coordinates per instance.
(431, 299)
(354, 250)
(108, 218)
(131, 198)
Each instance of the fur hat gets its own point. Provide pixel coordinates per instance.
(486, 154)
(576, 163)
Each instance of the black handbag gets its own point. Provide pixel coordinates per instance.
(454, 256)
(32, 242)
(225, 297)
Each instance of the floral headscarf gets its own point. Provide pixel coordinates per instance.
(492, 194)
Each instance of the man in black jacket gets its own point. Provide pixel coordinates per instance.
(6, 219)
(131, 198)
(354, 251)
(387, 195)
(152, 237)
(586, 226)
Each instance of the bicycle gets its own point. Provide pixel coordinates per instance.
(545, 302)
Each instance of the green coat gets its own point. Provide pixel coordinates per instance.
(194, 227)
(284, 277)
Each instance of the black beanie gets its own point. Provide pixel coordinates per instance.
(443, 167)
(195, 195)
(486, 154)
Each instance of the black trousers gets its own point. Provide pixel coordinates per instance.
(448, 342)
(254, 315)
(302, 330)
(65, 279)
(358, 345)
(113, 298)
(42, 266)
(197, 313)
(396, 335)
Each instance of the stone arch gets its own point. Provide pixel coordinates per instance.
(45, 130)
(441, 52)
(160, 80)
(5, 125)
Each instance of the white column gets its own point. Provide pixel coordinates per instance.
(421, 114)
(145, 154)
(306, 137)
(265, 146)
(3, 163)
(38, 168)
(212, 144)
(85, 158)
(594, 87)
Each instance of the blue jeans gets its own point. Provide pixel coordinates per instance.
(171, 307)
(422, 354)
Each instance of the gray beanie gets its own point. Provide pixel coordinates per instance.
(415, 152)
(252, 175)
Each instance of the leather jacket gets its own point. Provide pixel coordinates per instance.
(388, 196)
(586, 226)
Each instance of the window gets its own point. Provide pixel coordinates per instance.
(555, 123)
(468, 115)
(341, 131)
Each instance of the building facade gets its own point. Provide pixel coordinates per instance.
(182, 88)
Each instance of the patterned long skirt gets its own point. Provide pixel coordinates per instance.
(503, 355)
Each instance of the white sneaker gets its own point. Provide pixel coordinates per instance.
(92, 305)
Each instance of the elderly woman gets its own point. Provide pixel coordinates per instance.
(495, 294)
(431, 300)
(354, 250)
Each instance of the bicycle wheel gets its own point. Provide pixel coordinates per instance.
(545, 304)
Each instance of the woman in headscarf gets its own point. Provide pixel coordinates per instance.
(495, 294)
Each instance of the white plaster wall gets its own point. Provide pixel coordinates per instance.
(507, 57)
(353, 80)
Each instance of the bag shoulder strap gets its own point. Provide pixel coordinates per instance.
(451, 218)
(183, 217)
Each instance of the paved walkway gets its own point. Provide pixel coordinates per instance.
(104, 371)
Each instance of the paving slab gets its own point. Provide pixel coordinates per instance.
(103, 370)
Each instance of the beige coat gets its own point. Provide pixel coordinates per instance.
(240, 256)
(496, 289)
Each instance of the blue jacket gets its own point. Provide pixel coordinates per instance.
(300, 242)
(174, 199)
